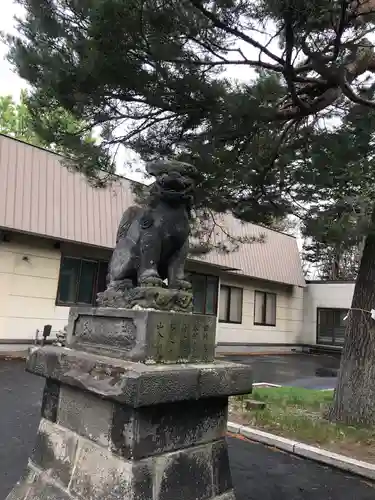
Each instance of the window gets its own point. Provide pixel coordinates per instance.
(80, 281)
(331, 326)
(205, 290)
(265, 309)
(230, 310)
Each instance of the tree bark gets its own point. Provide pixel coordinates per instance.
(336, 264)
(354, 399)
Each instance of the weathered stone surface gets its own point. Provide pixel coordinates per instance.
(55, 451)
(185, 475)
(222, 480)
(191, 473)
(100, 475)
(158, 429)
(88, 415)
(161, 386)
(24, 485)
(182, 337)
(237, 379)
(229, 495)
(148, 297)
(145, 431)
(147, 336)
(50, 401)
(117, 334)
(137, 384)
(45, 490)
(143, 481)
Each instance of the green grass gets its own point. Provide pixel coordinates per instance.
(292, 396)
(300, 414)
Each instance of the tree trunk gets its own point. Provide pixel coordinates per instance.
(354, 399)
(336, 264)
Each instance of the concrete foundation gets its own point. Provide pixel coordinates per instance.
(117, 429)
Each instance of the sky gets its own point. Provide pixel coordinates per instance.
(10, 83)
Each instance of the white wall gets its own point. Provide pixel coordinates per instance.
(29, 270)
(323, 294)
(28, 292)
(289, 315)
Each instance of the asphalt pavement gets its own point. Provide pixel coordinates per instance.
(259, 472)
(297, 370)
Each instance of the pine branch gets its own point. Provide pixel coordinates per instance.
(234, 31)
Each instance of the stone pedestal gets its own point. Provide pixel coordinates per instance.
(143, 335)
(138, 423)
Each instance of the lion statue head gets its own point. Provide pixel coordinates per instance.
(174, 181)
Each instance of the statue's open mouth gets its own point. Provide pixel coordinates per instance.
(175, 186)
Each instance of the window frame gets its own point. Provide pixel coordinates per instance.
(98, 262)
(206, 276)
(334, 336)
(227, 319)
(264, 322)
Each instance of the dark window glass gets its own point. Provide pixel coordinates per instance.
(80, 280)
(205, 293)
(87, 282)
(102, 276)
(331, 326)
(224, 303)
(69, 278)
(230, 310)
(199, 293)
(211, 295)
(235, 305)
(264, 308)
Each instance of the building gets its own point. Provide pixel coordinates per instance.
(57, 233)
(326, 305)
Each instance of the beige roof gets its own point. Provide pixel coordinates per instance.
(40, 196)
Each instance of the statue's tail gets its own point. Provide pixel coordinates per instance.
(126, 221)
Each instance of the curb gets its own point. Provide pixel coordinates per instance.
(357, 467)
(11, 355)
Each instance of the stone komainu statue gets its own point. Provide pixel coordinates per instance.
(152, 241)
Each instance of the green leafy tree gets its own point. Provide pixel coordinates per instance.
(15, 119)
(20, 120)
(153, 76)
(333, 243)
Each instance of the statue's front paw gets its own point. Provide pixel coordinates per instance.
(151, 281)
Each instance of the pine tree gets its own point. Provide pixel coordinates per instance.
(153, 76)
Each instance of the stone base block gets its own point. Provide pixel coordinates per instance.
(133, 433)
(138, 384)
(143, 335)
(39, 485)
(66, 465)
(118, 430)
